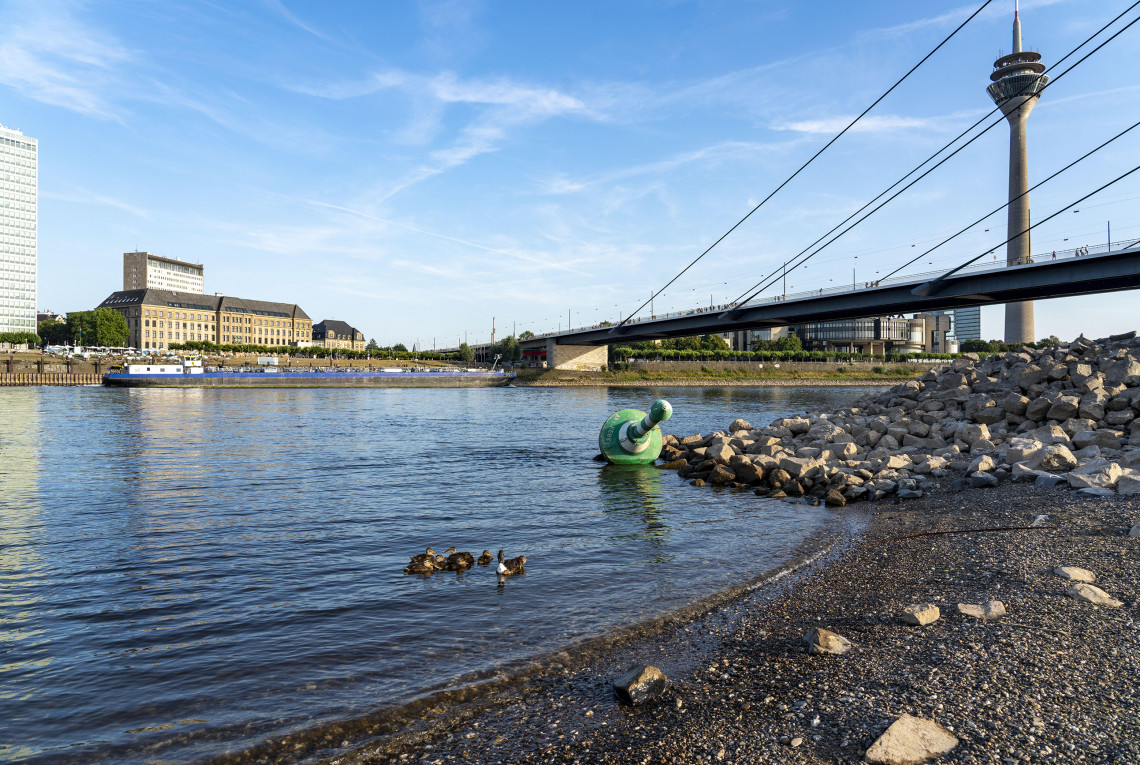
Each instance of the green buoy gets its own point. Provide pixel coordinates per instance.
(631, 437)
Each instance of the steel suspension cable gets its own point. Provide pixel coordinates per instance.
(768, 280)
(1069, 206)
(805, 164)
(996, 210)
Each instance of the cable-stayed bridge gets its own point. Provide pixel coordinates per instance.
(1102, 270)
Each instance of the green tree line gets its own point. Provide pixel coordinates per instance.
(101, 327)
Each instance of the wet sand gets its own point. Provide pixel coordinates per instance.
(1055, 680)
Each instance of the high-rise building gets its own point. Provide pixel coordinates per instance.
(19, 192)
(1017, 84)
(141, 271)
(965, 323)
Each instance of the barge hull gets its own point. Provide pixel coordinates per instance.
(238, 380)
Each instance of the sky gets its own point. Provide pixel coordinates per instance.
(422, 170)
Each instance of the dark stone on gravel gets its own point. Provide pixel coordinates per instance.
(641, 684)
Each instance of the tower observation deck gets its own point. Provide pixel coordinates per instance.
(1017, 82)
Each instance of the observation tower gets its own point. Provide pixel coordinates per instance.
(1017, 84)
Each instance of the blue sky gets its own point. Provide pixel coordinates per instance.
(417, 168)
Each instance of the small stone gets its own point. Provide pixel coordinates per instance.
(921, 614)
(909, 741)
(1075, 574)
(795, 742)
(909, 494)
(1134, 531)
(835, 499)
(739, 425)
(991, 610)
(1091, 594)
(824, 641)
(640, 684)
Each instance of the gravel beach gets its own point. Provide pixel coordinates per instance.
(1053, 680)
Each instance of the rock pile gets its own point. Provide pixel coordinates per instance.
(1063, 416)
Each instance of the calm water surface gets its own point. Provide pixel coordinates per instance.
(185, 573)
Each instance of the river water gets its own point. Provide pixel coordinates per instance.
(189, 573)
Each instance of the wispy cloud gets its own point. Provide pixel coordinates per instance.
(279, 7)
(509, 252)
(955, 17)
(870, 124)
(47, 56)
(85, 197)
(503, 105)
(720, 152)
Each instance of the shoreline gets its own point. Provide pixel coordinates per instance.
(1053, 680)
(710, 382)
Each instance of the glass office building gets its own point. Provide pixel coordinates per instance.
(19, 159)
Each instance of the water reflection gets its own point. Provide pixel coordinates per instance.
(634, 491)
(25, 650)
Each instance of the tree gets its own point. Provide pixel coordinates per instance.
(466, 353)
(789, 343)
(526, 334)
(400, 348)
(713, 343)
(509, 349)
(372, 346)
(29, 339)
(101, 327)
(54, 332)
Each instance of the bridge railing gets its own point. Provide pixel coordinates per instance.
(997, 264)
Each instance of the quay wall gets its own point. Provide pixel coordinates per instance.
(49, 378)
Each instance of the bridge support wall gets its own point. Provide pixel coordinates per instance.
(589, 358)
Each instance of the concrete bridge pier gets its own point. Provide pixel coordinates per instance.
(584, 358)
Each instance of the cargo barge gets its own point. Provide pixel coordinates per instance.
(190, 373)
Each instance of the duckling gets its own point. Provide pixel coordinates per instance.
(466, 558)
(440, 562)
(428, 554)
(425, 567)
(449, 551)
(485, 558)
(511, 566)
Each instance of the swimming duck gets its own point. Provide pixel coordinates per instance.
(485, 558)
(511, 566)
(440, 562)
(460, 561)
(422, 567)
(428, 554)
(449, 551)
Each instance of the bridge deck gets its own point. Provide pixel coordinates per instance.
(978, 285)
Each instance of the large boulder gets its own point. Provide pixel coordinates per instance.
(1104, 439)
(1089, 593)
(825, 641)
(1053, 458)
(640, 684)
(1124, 372)
(1095, 474)
(1063, 408)
(801, 467)
(910, 741)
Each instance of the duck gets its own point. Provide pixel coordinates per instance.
(511, 566)
(449, 551)
(440, 562)
(485, 558)
(425, 567)
(428, 554)
(464, 559)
